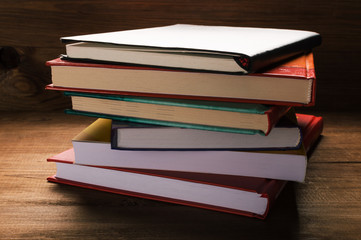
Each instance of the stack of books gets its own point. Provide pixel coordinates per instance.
(195, 115)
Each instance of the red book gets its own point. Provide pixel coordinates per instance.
(290, 83)
(312, 127)
(246, 196)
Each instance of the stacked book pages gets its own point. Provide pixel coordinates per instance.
(195, 115)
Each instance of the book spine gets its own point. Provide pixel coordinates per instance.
(274, 114)
(272, 191)
(316, 127)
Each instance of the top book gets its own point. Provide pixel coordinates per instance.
(211, 48)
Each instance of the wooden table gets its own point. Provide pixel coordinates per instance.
(326, 206)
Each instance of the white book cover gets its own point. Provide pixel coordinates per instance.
(253, 47)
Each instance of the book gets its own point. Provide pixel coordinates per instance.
(206, 115)
(92, 147)
(292, 83)
(285, 135)
(312, 127)
(245, 196)
(215, 48)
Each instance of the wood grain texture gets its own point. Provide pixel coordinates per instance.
(326, 206)
(38, 25)
(22, 82)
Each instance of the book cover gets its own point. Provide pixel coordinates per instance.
(291, 83)
(245, 46)
(132, 136)
(210, 115)
(245, 196)
(312, 127)
(90, 147)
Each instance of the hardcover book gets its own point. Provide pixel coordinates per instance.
(93, 147)
(312, 127)
(291, 83)
(215, 48)
(232, 194)
(206, 115)
(125, 135)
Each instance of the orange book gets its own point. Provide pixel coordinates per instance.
(291, 83)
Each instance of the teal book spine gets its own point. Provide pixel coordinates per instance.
(212, 105)
(164, 123)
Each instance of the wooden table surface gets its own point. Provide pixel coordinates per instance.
(326, 206)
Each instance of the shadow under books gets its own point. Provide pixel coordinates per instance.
(111, 211)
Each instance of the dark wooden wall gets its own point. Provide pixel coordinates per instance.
(33, 29)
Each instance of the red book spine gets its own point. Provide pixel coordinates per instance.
(312, 127)
(274, 114)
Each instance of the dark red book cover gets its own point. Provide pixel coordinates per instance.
(311, 128)
(268, 188)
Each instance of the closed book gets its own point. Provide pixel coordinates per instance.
(197, 114)
(291, 83)
(285, 135)
(92, 146)
(214, 48)
(246, 196)
(312, 127)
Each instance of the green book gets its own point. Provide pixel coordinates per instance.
(242, 118)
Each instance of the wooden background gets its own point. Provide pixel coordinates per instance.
(326, 206)
(33, 29)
